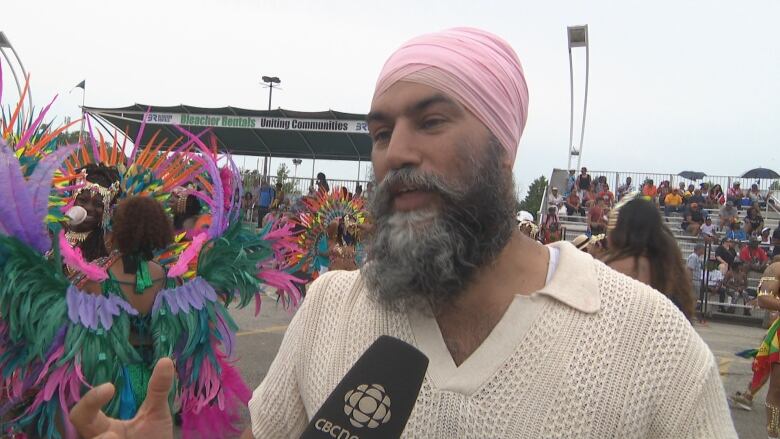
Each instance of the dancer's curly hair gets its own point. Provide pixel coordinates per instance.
(141, 227)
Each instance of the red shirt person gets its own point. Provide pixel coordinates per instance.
(754, 256)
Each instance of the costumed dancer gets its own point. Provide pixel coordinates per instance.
(324, 218)
(60, 337)
(766, 356)
(98, 189)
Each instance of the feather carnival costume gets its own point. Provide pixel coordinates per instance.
(319, 212)
(57, 341)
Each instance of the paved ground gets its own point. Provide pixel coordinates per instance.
(259, 340)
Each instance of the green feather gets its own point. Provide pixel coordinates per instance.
(32, 296)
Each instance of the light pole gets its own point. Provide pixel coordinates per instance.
(296, 163)
(5, 43)
(577, 37)
(270, 80)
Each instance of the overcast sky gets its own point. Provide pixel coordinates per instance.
(674, 85)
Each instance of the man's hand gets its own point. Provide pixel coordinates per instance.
(153, 420)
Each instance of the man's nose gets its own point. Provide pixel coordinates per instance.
(404, 147)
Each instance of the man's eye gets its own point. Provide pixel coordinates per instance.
(382, 136)
(432, 123)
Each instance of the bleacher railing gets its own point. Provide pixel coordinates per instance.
(617, 178)
(300, 185)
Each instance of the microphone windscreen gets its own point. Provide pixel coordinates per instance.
(375, 398)
(76, 215)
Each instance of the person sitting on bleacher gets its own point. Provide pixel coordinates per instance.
(735, 194)
(600, 182)
(583, 183)
(689, 193)
(707, 231)
(597, 218)
(736, 232)
(606, 195)
(755, 195)
(664, 189)
(589, 197)
(556, 199)
(625, 189)
(728, 214)
(766, 240)
(716, 197)
(735, 285)
(754, 256)
(694, 219)
(571, 183)
(673, 202)
(726, 255)
(649, 190)
(573, 205)
(754, 222)
(697, 198)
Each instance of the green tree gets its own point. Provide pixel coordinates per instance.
(533, 198)
(283, 176)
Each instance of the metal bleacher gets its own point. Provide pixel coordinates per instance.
(573, 226)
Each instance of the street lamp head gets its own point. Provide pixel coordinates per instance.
(4, 43)
(578, 36)
(271, 80)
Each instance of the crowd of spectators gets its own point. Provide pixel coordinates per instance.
(266, 201)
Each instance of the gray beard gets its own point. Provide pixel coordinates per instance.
(429, 256)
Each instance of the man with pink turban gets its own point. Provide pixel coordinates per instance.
(523, 340)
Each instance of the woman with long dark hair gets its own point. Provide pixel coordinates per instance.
(642, 246)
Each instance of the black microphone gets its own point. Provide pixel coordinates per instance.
(375, 398)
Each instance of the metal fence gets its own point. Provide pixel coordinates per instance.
(301, 185)
(618, 178)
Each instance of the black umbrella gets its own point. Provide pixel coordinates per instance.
(761, 173)
(692, 175)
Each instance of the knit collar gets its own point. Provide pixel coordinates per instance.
(575, 281)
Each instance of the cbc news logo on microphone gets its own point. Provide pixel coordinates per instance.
(367, 406)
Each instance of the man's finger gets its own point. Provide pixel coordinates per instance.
(86, 415)
(159, 386)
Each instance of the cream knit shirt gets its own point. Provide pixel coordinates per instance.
(594, 354)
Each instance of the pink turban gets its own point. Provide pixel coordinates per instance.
(475, 67)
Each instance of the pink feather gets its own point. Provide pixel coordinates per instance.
(220, 417)
(72, 257)
(182, 265)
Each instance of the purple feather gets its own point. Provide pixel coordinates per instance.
(192, 295)
(39, 185)
(87, 313)
(87, 309)
(31, 129)
(227, 336)
(15, 214)
(218, 208)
